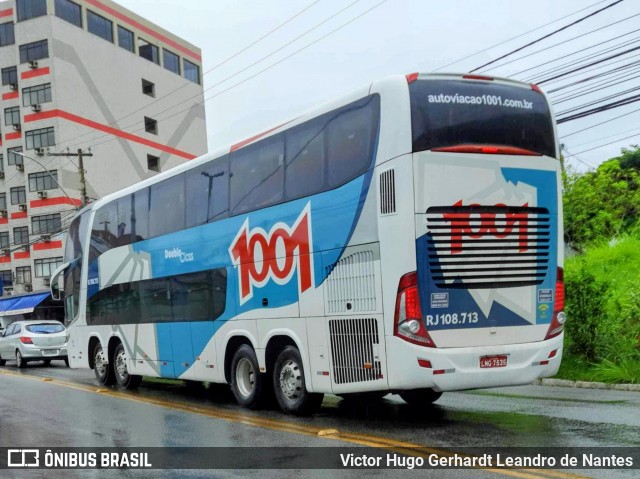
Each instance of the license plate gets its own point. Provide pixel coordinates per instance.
(50, 352)
(493, 361)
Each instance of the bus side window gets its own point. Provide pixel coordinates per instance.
(167, 206)
(125, 214)
(104, 233)
(208, 192)
(350, 142)
(304, 174)
(140, 215)
(257, 175)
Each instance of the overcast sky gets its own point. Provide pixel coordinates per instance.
(395, 36)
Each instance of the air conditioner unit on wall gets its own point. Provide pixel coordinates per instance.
(39, 151)
(25, 247)
(19, 166)
(33, 64)
(1, 175)
(22, 207)
(36, 108)
(3, 213)
(46, 238)
(17, 126)
(6, 251)
(13, 86)
(47, 281)
(42, 194)
(27, 287)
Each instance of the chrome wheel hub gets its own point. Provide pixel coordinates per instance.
(121, 364)
(99, 363)
(291, 380)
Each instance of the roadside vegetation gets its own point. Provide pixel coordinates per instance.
(602, 279)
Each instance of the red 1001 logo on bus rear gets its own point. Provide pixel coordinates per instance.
(262, 257)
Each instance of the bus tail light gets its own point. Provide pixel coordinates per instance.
(25, 340)
(487, 150)
(411, 77)
(408, 323)
(477, 77)
(559, 318)
(536, 88)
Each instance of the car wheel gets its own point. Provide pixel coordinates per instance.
(2, 361)
(247, 384)
(104, 373)
(20, 362)
(121, 369)
(66, 362)
(47, 362)
(289, 384)
(420, 397)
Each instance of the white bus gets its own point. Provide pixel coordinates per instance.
(406, 238)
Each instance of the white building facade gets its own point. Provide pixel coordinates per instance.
(84, 75)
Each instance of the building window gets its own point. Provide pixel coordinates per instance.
(35, 95)
(171, 61)
(30, 9)
(6, 277)
(98, 25)
(6, 34)
(34, 51)
(148, 51)
(10, 75)
(18, 195)
(23, 274)
(40, 138)
(69, 11)
(43, 181)
(191, 71)
(46, 267)
(12, 116)
(148, 88)
(21, 235)
(150, 125)
(125, 39)
(4, 240)
(3, 201)
(12, 158)
(153, 163)
(46, 224)
(1, 161)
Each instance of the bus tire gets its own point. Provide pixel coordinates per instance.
(103, 371)
(2, 361)
(121, 369)
(420, 397)
(247, 384)
(289, 384)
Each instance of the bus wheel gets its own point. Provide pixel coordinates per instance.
(246, 381)
(121, 369)
(104, 373)
(289, 384)
(2, 361)
(420, 397)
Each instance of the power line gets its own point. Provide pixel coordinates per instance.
(607, 144)
(257, 73)
(562, 42)
(607, 137)
(601, 123)
(595, 102)
(600, 109)
(591, 167)
(236, 73)
(188, 82)
(544, 37)
(586, 89)
(517, 36)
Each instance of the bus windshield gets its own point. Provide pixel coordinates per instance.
(446, 113)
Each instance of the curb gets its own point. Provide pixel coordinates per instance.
(587, 385)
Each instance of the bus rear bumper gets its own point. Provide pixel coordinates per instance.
(453, 369)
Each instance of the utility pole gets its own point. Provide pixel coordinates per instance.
(83, 182)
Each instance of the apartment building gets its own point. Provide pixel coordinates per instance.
(93, 76)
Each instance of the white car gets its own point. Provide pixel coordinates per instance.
(25, 341)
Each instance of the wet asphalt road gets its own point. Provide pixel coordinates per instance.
(68, 412)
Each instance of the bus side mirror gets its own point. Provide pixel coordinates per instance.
(55, 278)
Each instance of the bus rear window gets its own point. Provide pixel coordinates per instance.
(446, 113)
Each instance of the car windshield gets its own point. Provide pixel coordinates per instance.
(45, 328)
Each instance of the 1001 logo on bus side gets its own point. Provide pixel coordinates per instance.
(274, 256)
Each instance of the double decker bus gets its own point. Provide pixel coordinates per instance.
(406, 238)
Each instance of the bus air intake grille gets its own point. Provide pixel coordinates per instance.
(354, 346)
(387, 192)
(474, 247)
(350, 285)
